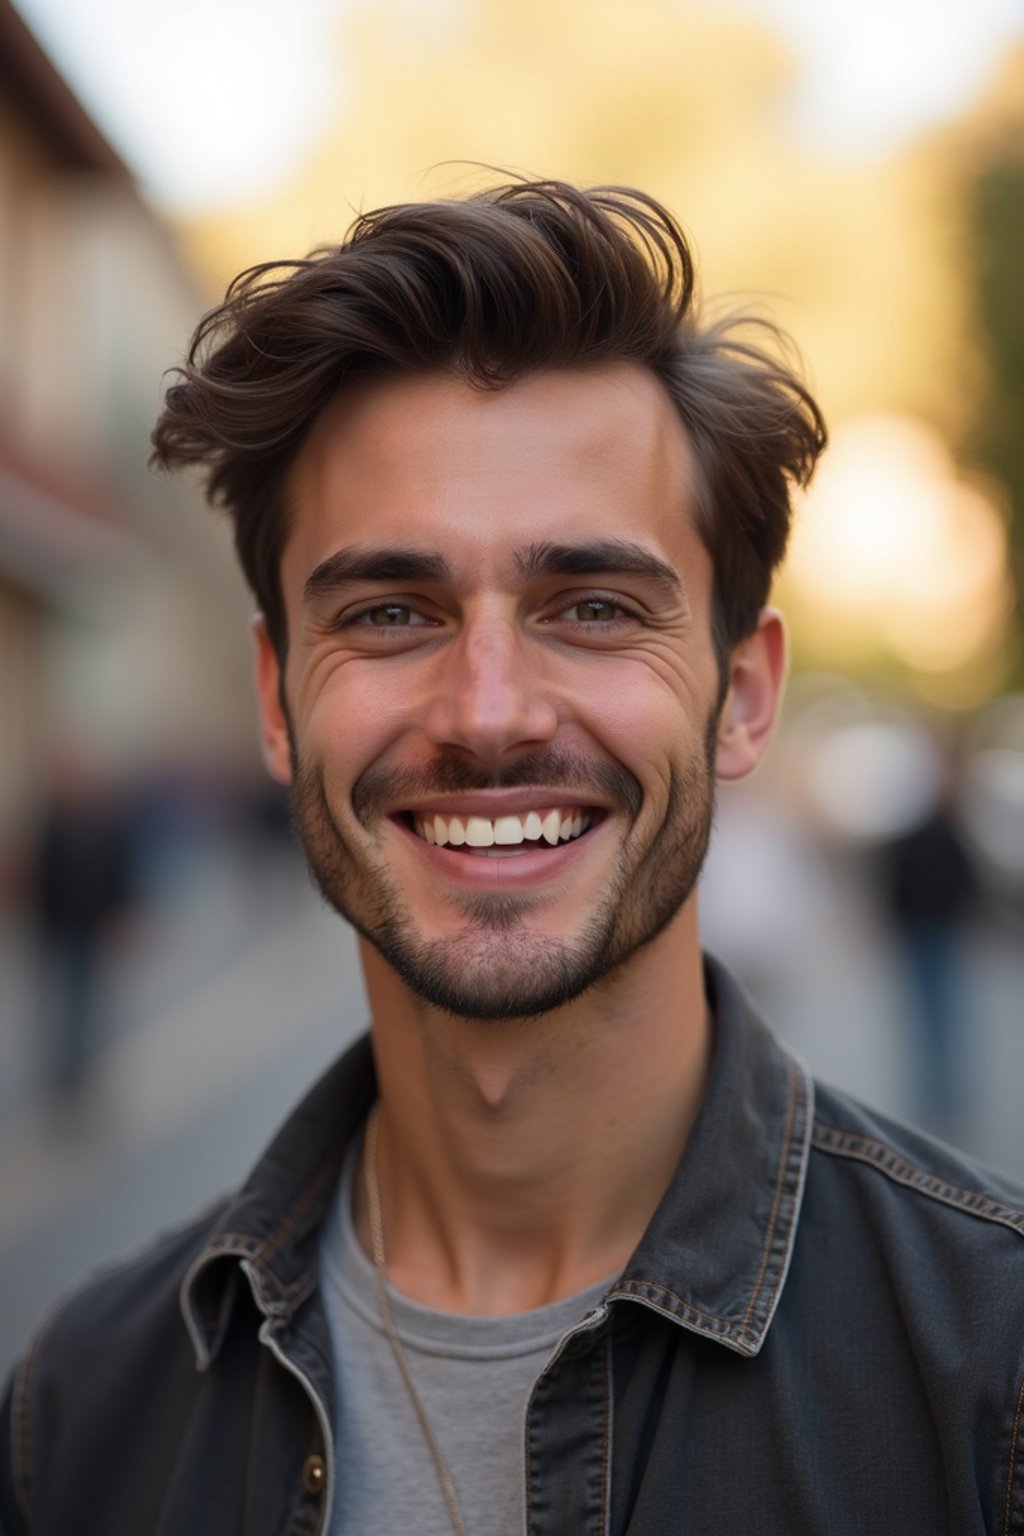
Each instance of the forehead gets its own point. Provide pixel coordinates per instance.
(430, 461)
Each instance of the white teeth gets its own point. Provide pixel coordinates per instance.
(552, 823)
(502, 831)
(508, 830)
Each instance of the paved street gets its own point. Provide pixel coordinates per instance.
(182, 1100)
(244, 990)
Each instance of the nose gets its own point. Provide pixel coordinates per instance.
(491, 698)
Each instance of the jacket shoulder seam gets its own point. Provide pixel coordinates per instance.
(1009, 1524)
(21, 1411)
(901, 1170)
(21, 1434)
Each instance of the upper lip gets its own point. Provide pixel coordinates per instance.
(492, 803)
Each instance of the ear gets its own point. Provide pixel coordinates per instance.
(757, 668)
(275, 736)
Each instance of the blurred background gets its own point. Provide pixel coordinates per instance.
(168, 982)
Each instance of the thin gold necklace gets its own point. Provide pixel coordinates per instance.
(387, 1318)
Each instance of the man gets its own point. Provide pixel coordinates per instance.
(575, 1246)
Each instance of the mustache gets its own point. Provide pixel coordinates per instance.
(380, 788)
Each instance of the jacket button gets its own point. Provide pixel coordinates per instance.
(313, 1474)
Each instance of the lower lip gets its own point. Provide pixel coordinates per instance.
(523, 869)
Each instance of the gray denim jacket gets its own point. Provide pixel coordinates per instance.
(821, 1331)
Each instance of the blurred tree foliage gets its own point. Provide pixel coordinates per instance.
(858, 260)
(996, 439)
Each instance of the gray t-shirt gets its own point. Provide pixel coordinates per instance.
(474, 1376)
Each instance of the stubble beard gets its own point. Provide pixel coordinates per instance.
(495, 966)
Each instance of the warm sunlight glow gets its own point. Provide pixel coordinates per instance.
(893, 551)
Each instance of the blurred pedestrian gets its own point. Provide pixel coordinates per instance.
(930, 888)
(82, 885)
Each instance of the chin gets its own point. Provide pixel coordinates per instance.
(487, 976)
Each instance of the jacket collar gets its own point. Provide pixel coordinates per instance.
(716, 1253)
(713, 1259)
(272, 1225)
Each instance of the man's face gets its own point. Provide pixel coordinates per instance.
(501, 686)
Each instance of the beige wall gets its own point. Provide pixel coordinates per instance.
(145, 649)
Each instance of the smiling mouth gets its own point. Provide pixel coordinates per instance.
(504, 836)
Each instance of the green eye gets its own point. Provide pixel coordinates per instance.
(596, 610)
(389, 615)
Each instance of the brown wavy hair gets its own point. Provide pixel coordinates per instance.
(517, 279)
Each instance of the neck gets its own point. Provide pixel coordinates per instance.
(520, 1161)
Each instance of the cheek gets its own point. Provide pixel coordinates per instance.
(645, 732)
(647, 715)
(350, 721)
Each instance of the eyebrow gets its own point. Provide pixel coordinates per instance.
(361, 564)
(621, 556)
(358, 563)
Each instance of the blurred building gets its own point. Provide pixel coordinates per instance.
(121, 616)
